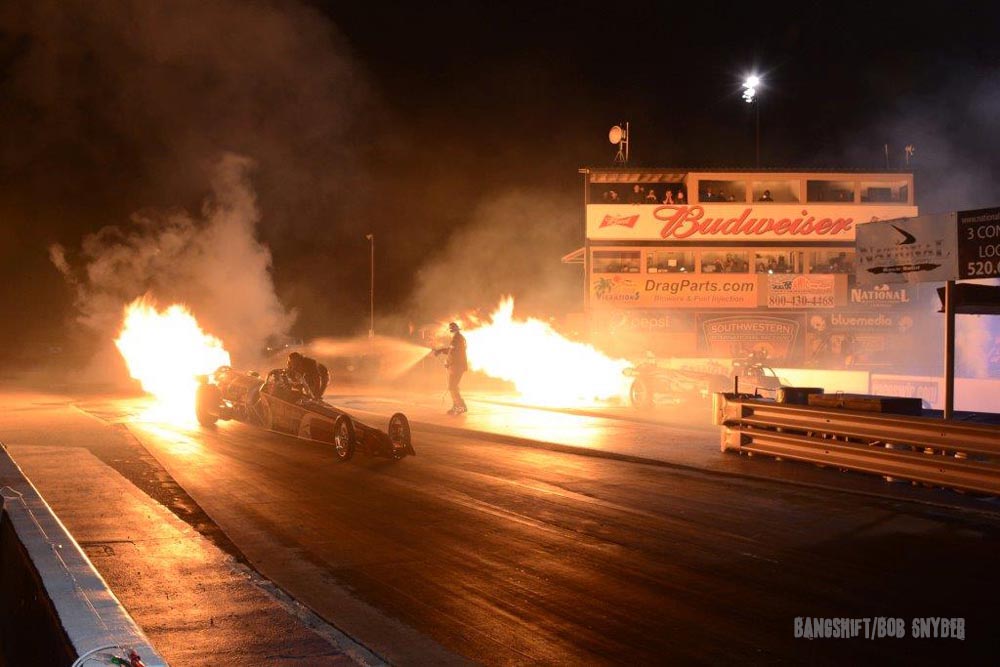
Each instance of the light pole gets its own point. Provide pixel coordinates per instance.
(750, 97)
(371, 289)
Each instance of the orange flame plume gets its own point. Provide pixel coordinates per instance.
(166, 351)
(545, 367)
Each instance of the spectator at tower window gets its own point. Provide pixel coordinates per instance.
(680, 197)
(668, 197)
(766, 196)
(651, 196)
(636, 196)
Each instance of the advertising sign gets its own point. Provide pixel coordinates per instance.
(627, 333)
(979, 243)
(734, 222)
(801, 291)
(882, 295)
(673, 290)
(866, 339)
(736, 336)
(915, 250)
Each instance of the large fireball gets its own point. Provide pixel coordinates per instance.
(166, 351)
(545, 367)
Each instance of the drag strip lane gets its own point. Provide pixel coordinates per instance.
(502, 554)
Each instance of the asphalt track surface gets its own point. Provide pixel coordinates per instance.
(503, 554)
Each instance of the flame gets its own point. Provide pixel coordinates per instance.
(544, 367)
(166, 351)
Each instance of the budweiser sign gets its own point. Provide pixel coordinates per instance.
(620, 221)
(681, 222)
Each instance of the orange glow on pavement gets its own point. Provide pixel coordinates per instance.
(166, 351)
(545, 367)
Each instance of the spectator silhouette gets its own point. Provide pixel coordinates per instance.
(636, 196)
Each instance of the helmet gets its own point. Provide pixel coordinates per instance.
(453, 326)
(294, 358)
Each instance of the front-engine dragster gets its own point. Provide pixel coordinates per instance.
(280, 403)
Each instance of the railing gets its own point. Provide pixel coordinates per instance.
(944, 453)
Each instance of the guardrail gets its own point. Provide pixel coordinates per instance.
(944, 453)
(55, 609)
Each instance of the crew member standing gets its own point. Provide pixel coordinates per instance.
(308, 371)
(457, 364)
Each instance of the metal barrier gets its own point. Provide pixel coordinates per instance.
(944, 453)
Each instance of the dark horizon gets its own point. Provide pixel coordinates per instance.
(444, 130)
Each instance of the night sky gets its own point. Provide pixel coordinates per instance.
(453, 131)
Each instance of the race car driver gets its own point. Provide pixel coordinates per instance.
(309, 372)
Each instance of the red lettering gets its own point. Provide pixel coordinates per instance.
(841, 225)
(681, 222)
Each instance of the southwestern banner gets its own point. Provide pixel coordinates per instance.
(734, 222)
(777, 337)
(674, 291)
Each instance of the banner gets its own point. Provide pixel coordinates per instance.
(735, 336)
(882, 295)
(735, 222)
(801, 291)
(675, 290)
(916, 250)
(979, 243)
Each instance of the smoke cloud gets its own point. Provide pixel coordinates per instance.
(213, 263)
(512, 245)
(117, 106)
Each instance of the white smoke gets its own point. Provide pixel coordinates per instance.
(212, 262)
(512, 244)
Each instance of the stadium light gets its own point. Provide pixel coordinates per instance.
(750, 86)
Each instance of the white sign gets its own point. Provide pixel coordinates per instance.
(734, 223)
(922, 249)
(800, 291)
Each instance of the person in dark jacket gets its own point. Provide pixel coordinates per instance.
(309, 372)
(457, 364)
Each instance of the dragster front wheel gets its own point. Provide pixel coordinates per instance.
(344, 441)
(641, 393)
(399, 435)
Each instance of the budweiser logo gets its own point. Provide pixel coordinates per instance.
(620, 221)
(681, 222)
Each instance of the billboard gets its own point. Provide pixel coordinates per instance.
(673, 290)
(734, 223)
(930, 248)
(979, 243)
(913, 250)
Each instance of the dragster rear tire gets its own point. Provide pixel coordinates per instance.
(207, 402)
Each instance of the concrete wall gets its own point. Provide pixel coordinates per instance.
(54, 606)
(30, 631)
